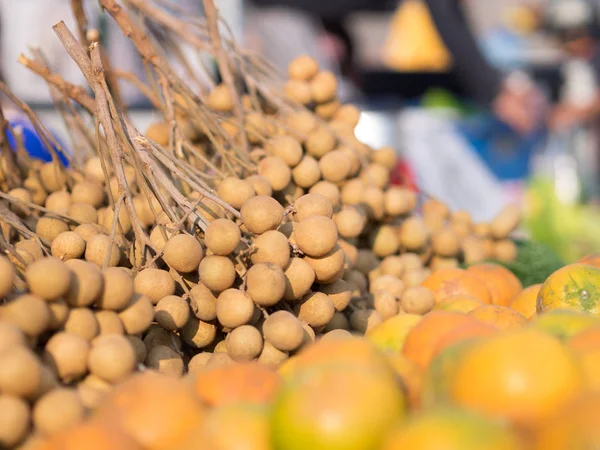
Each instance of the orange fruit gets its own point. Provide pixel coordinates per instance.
(587, 346)
(336, 408)
(564, 323)
(391, 334)
(526, 301)
(458, 303)
(94, 434)
(591, 260)
(423, 338)
(503, 285)
(450, 429)
(446, 282)
(472, 330)
(587, 340)
(156, 410)
(574, 427)
(501, 317)
(575, 287)
(522, 375)
(410, 375)
(237, 383)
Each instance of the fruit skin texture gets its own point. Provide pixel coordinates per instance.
(325, 409)
(501, 317)
(573, 287)
(446, 282)
(526, 301)
(523, 376)
(503, 285)
(391, 334)
(564, 323)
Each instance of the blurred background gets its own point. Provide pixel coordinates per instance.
(486, 102)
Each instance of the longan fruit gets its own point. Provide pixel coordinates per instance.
(197, 333)
(271, 356)
(157, 335)
(53, 176)
(159, 132)
(220, 99)
(221, 346)
(20, 372)
(159, 237)
(350, 253)
(328, 190)
(384, 241)
(445, 242)
(352, 192)
(335, 166)
(309, 334)
(392, 265)
(303, 68)
(88, 192)
(87, 230)
(234, 308)
(92, 393)
(299, 277)
(312, 205)
(349, 114)
(414, 277)
(327, 110)
(462, 216)
(66, 354)
(15, 417)
(108, 217)
(82, 322)
(399, 201)
(165, 360)
(319, 142)
(23, 195)
(154, 283)
(10, 336)
(316, 236)
(473, 249)
(364, 320)
(109, 323)
(58, 202)
(118, 288)
(257, 127)
(31, 246)
(86, 283)
(261, 213)
(83, 212)
(300, 123)
(376, 174)
(340, 293)
(417, 300)
(276, 171)
(307, 172)
(172, 312)
(505, 250)
(260, 184)
(93, 169)
(461, 229)
(283, 330)
(373, 200)
(98, 247)
(217, 272)
(112, 358)
(244, 343)
(323, 87)
(203, 303)
(47, 228)
(138, 315)
(482, 229)
(57, 410)
(183, 253)
(198, 362)
(139, 347)
(386, 156)
(366, 261)
(388, 283)
(349, 222)
(219, 359)
(34, 186)
(59, 312)
(143, 211)
(7, 276)
(27, 312)
(68, 245)
(316, 309)
(271, 247)
(235, 191)
(353, 157)
(265, 284)
(505, 222)
(328, 268)
(298, 91)
(222, 237)
(338, 322)
(413, 234)
(385, 304)
(290, 193)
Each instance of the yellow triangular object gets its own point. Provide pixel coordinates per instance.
(413, 42)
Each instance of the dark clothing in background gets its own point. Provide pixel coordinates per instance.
(329, 9)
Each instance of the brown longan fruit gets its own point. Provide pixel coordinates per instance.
(445, 242)
(15, 417)
(385, 304)
(271, 356)
(312, 205)
(352, 192)
(261, 213)
(7, 276)
(82, 322)
(327, 110)
(197, 333)
(222, 237)
(221, 346)
(505, 250)
(384, 241)
(10, 336)
(482, 229)
(83, 212)
(112, 358)
(349, 114)
(349, 222)
(260, 184)
(139, 347)
(328, 190)
(414, 277)
(109, 323)
(58, 202)
(107, 217)
(399, 201)
(93, 169)
(461, 229)
(27, 312)
(417, 300)
(138, 315)
(276, 171)
(88, 192)
(373, 201)
(203, 303)
(364, 320)
(271, 247)
(234, 308)
(388, 283)
(473, 249)
(290, 193)
(143, 210)
(319, 142)
(316, 236)
(68, 245)
(117, 289)
(219, 359)
(154, 283)
(198, 362)
(235, 191)
(338, 322)
(309, 334)
(303, 68)
(217, 272)
(157, 335)
(159, 236)
(323, 87)
(505, 222)
(66, 354)
(244, 343)
(34, 185)
(392, 265)
(307, 172)
(340, 293)
(47, 228)
(172, 312)
(92, 390)
(87, 230)
(366, 261)
(220, 99)
(299, 277)
(413, 234)
(386, 156)
(376, 174)
(284, 331)
(57, 410)
(300, 123)
(350, 253)
(20, 372)
(165, 360)
(357, 281)
(298, 91)
(335, 166)
(31, 246)
(53, 176)
(159, 132)
(98, 247)
(23, 195)
(265, 284)
(287, 148)
(59, 312)
(316, 309)
(183, 253)
(86, 283)
(330, 267)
